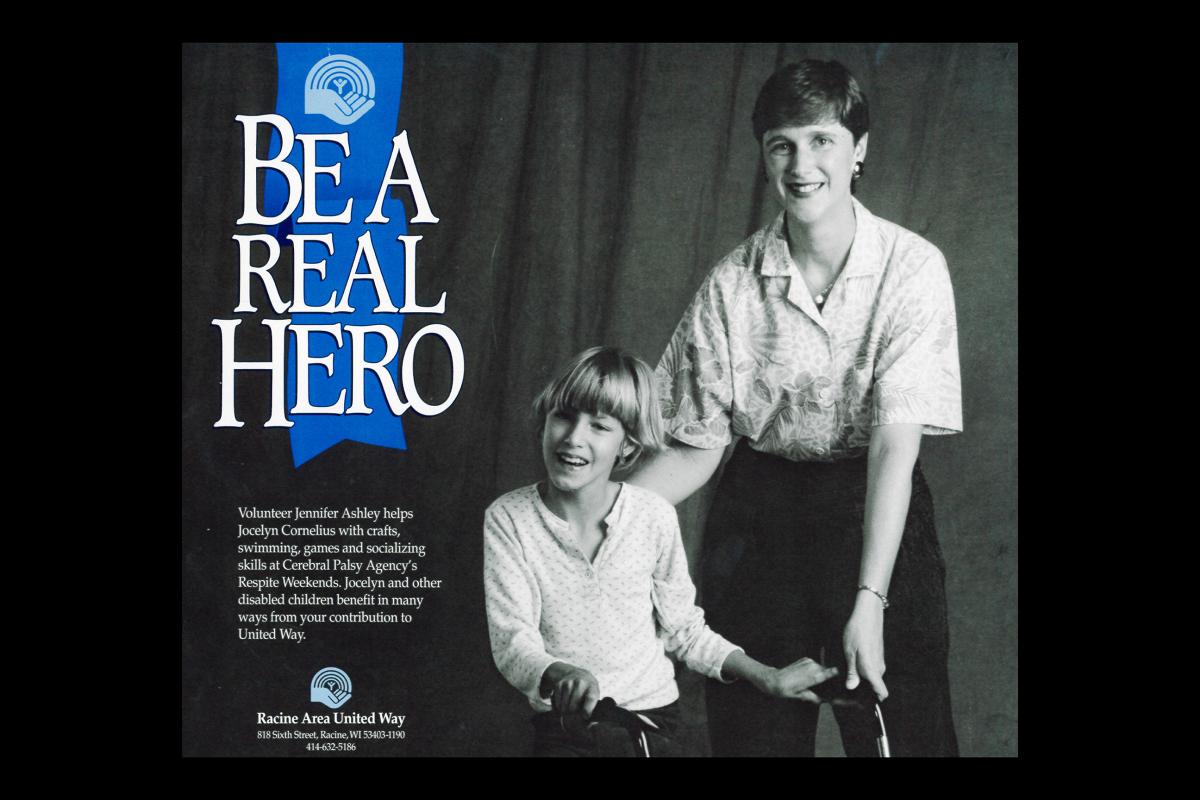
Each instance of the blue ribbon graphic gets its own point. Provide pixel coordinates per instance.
(371, 128)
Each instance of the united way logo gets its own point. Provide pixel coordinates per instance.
(331, 687)
(339, 87)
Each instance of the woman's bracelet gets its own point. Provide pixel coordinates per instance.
(882, 597)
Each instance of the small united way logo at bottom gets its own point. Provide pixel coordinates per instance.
(330, 686)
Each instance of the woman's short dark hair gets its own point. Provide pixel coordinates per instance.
(808, 92)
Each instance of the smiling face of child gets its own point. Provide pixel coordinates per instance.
(581, 449)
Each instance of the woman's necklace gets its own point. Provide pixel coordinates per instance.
(821, 296)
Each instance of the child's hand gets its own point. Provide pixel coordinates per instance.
(571, 688)
(795, 680)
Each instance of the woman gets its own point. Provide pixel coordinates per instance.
(827, 343)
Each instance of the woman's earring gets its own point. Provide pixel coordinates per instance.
(858, 170)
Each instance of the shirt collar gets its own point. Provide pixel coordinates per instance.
(864, 259)
(556, 522)
(560, 529)
(618, 510)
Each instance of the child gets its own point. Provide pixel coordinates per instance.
(586, 579)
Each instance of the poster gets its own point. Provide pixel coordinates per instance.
(558, 196)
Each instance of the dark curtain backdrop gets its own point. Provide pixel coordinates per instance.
(583, 192)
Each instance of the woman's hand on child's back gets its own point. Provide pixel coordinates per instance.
(570, 688)
(797, 679)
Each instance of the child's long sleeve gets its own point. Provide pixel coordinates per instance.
(513, 607)
(680, 620)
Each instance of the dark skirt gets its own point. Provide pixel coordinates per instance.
(781, 559)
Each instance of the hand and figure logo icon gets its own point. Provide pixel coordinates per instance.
(339, 87)
(331, 687)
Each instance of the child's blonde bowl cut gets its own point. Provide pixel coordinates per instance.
(609, 380)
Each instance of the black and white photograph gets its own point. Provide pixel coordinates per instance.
(599, 399)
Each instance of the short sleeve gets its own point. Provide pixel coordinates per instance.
(917, 374)
(695, 380)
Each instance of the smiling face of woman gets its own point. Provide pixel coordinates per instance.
(810, 168)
